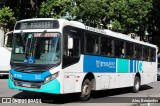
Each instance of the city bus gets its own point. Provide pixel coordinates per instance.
(5, 52)
(58, 56)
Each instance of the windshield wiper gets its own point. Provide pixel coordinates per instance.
(22, 38)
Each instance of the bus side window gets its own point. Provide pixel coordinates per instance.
(152, 54)
(75, 50)
(71, 50)
(146, 54)
(92, 44)
(106, 46)
(119, 48)
(129, 50)
(138, 52)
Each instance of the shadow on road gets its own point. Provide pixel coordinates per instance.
(119, 91)
(145, 87)
(70, 98)
(48, 98)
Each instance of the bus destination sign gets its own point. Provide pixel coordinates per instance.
(40, 24)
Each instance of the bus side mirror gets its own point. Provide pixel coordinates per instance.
(70, 43)
(8, 40)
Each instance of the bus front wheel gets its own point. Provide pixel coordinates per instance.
(136, 85)
(85, 90)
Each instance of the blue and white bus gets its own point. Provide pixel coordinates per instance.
(58, 56)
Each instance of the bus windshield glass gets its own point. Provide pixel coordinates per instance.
(36, 48)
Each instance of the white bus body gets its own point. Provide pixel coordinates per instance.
(88, 59)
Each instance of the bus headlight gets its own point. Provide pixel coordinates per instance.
(51, 77)
(11, 76)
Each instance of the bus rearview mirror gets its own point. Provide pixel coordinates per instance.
(70, 43)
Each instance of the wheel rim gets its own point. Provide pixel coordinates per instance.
(86, 90)
(137, 85)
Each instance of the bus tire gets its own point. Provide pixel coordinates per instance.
(136, 85)
(85, 90)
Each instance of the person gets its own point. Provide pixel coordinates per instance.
(122, 53)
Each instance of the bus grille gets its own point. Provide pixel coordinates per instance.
(27, 84)
(31, 68)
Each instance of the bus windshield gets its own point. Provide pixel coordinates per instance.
(36, 48)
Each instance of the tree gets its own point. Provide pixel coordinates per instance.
(93, 12)
(154, 23)
(7, 17)
(126, 16)
(22, 9)
(56, 8)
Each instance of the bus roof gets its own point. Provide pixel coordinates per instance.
(64, 22)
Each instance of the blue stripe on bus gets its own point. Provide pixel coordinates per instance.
(135, 64)
(99, 64)
(29, 76)
(110, 65)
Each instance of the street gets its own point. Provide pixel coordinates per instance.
(120, 96)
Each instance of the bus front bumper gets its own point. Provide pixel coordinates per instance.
(52, 87)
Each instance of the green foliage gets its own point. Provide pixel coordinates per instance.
(93, 11)
(55, 8)
(154, 23)
(126, 15)
(131, 13)
(7, 17)
(117, 26)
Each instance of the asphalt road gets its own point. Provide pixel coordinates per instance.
(114, 97)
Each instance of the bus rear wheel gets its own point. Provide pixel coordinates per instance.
(85, 90)
(136, 85)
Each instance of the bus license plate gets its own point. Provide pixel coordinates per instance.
(24, 84)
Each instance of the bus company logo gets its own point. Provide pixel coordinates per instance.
(27, 77)
(17, 76)
(38, 77)
(100, 64)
